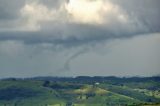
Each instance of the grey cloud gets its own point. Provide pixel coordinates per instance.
(53, 3)
(144, 16)
(74, 39)
(147, 11)
(71, 34)
(9, 9)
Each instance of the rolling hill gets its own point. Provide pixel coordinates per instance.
(80, 91)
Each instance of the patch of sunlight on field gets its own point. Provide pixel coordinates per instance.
(56, 105)
(90, 89)
(79, 105)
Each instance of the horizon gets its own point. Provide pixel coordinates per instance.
(34, 77)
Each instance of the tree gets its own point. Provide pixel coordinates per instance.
(46, 83)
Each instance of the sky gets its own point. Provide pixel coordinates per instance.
(79, 38)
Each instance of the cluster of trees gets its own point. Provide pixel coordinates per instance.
(56, 85)
(15, 92)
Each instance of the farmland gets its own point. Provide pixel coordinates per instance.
(80, 91)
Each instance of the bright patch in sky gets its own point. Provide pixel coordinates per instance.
(93, 11)
(77, 11)
(34, 13)
(85, 11)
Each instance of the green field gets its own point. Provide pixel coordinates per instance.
(80, 91)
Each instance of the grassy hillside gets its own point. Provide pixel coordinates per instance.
(79, 92)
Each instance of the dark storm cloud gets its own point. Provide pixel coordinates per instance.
(145, 14)
(70, 35)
